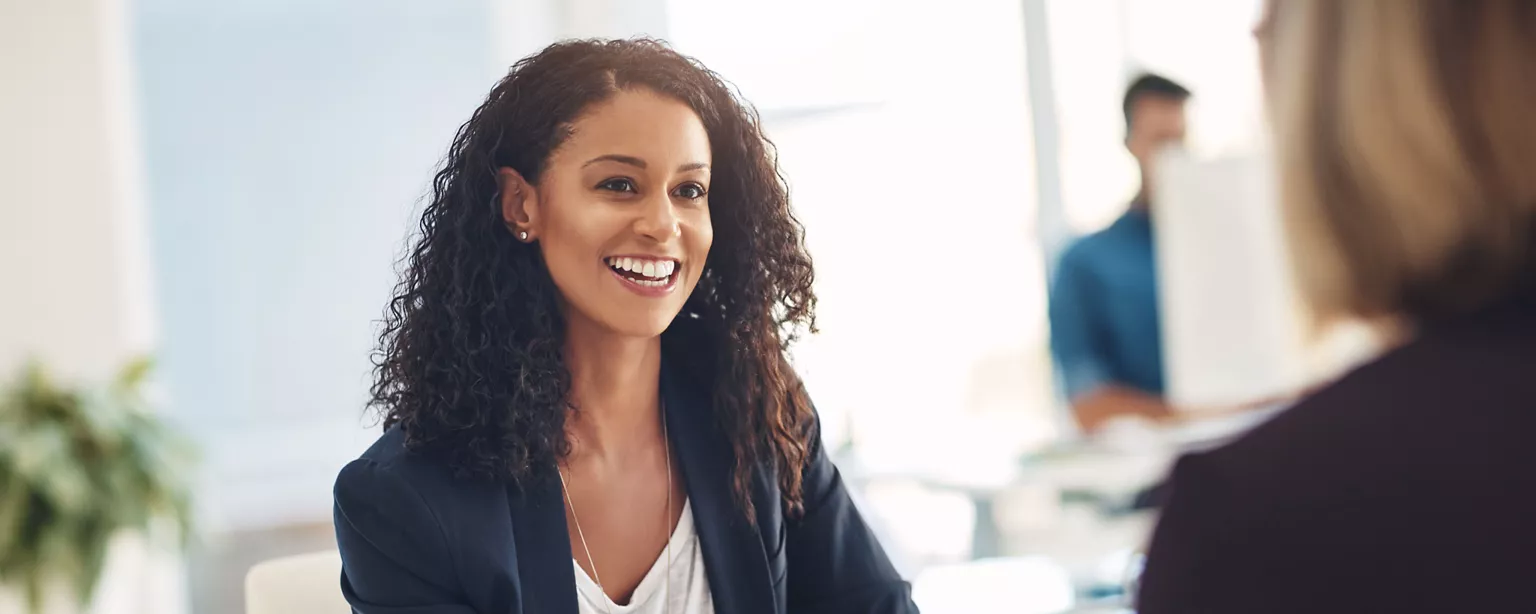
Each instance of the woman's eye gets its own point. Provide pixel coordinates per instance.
(619, 184)
(690, 191)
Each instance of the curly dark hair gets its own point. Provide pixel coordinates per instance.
(469, 363)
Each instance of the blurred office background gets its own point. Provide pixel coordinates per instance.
(227, 185)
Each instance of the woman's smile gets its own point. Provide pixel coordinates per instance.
(647, 276)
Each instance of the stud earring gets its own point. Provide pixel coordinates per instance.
(522, 235)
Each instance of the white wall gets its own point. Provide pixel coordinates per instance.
(289, 145)
(76, 293)
(73, 253)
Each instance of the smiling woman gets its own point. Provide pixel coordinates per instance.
(582, 375)
(624, 196)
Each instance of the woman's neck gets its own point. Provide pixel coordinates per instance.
(614, 387)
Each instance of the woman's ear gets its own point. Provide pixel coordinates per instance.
(519, 204)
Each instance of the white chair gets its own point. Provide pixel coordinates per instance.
(1027, 585)
(309, 583)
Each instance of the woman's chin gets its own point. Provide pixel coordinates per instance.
(639, 325)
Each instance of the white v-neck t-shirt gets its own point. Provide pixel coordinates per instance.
(689, 587)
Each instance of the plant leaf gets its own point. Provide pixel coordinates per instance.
(79, 465)
(135, 373)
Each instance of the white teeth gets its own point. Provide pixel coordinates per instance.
(657, 270)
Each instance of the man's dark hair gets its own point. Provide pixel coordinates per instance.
(1148, 84)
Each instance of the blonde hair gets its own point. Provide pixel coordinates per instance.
(1406, 141)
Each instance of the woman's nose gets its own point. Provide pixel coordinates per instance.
(659, 220)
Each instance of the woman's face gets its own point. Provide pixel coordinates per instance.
(621, 212)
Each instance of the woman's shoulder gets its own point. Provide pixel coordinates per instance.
(389, 454)
(388, 449)
(389, 469)
(1434, 393)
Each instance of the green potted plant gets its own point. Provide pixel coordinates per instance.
(78, 466)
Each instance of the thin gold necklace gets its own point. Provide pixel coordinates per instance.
(666, 441)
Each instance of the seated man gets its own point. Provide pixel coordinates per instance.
(1105, 332)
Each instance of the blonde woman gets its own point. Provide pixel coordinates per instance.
(1406, 134)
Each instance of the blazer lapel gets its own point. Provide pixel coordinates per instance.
(543, 551)
(734, 559)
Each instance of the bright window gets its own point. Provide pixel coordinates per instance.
(903, 129)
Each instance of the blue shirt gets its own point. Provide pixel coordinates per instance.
(1104, 320)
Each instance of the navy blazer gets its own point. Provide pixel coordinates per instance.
(415, 540)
